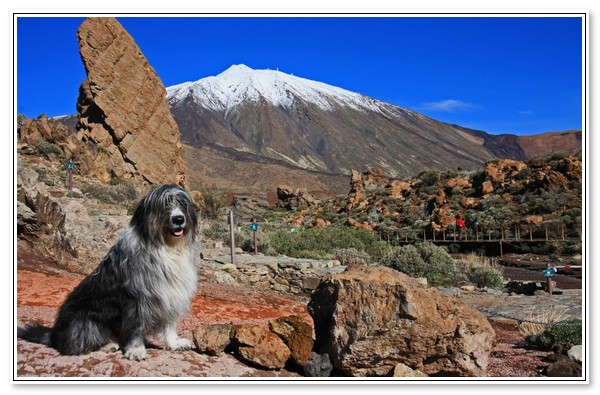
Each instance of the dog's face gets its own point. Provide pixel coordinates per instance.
(167, 214)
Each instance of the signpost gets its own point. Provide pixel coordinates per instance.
(232, 221)
(254, 229)
(549, 273)
(70, 171)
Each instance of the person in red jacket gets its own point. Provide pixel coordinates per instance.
(460, 224)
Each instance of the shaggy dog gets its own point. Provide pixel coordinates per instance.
(140, 288)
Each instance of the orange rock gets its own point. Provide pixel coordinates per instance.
(123, 107)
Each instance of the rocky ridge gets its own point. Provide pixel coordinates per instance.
(505, 193)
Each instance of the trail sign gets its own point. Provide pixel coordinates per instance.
(254, 227)
(549, 272)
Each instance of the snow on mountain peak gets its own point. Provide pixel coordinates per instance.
(240, 82)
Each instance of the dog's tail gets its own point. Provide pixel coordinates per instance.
(35, 333)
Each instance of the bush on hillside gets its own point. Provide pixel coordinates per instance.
(423, 260)
(122, 193)
(47, 147)
(480, 270)
(321, 243)
(211, 203)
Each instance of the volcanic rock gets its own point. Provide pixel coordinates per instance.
(33, 130)
(293, 199)
(212, 339)
(401, 370)
(505, 168)
(297, 335)
(371, 319)
(367, 181)
(123, 111)
(318, 366)
(260, 347)
(41, 219)
(563, 366)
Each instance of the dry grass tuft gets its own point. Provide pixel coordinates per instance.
(535, 323)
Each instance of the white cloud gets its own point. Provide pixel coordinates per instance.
(525, 112)
(449, 105)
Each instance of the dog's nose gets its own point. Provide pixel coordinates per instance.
(178, 220)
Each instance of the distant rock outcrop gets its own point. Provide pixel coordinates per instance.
(123, 110)
(367, 181)
(369, 320)
(293, 199)
(32, 131)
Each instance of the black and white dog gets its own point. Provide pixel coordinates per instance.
(141, 287)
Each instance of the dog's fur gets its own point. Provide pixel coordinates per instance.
(140, 288)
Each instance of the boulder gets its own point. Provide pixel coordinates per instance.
(399, 188)
(401, 370)
(318, 366)
(293, 199)
(212, 339)
(500, 170)
(487, 187)
(576, 353)
(297, 334)
(370, 319)
(250, 203)
(123, 110)
(368, 181)
(563, 366)
(259, 346)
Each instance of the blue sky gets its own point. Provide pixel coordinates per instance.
(500, 74)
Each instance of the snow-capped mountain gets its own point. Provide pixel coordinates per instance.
(240, 83)
(268, 116)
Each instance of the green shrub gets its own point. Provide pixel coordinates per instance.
(47, 147)
(43, 175)
(423, 260)
(429, 177)
(215, 231)
(123, 194)
(562, 335)
(263, 244)
(321, 243)
(480, 270)
(212, 203)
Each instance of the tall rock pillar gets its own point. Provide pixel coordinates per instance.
(123, 110)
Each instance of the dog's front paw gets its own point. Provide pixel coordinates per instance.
(110, 347)
(180, 344)
(137, 353)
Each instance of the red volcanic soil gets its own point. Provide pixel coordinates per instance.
(41, 290)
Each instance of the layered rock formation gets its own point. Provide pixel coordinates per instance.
(293, 199)
(367, 181)
(123, 111)
(73, 233)
(369, 320)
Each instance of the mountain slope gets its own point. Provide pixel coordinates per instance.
(318, 127)
(313, 133)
